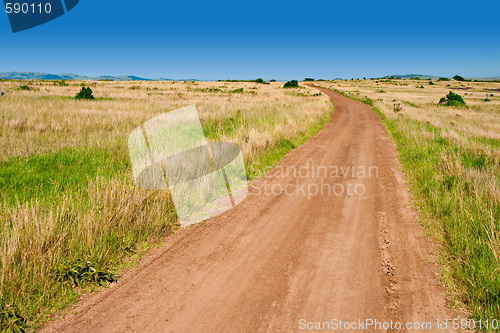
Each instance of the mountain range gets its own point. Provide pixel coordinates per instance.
(68, 76)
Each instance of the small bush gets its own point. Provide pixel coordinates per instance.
(291, 84)
(85, 93)
(259, 80)
(459, 78)
(24, 88)
(452, 99)
(240, 90)
(455, 97)
(443, 79)
(432, 83)
(273, 80)
(308, 79)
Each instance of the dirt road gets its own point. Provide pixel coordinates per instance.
(279, 261)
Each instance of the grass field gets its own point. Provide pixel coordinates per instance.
(70, 214)
(451, 156)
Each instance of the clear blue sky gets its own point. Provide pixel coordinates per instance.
(268, 39)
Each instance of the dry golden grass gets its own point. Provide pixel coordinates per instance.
(481, 119)
(45, 120)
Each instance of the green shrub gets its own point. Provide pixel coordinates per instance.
(24, 88)
(273, 80)
(459, 78)
(291, 84)
(85, 93)
(452, 99)
(240, 90)
(455, 97)
(443, 79)
(259, 80)
(308, 79)
(432, 83)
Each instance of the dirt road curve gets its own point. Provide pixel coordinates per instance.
(277, 259)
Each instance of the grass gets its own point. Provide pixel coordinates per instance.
(70, 213)
(455, 180)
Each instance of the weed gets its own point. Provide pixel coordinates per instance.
(84, 271)
(11, 320)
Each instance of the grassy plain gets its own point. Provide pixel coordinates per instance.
(451, 156)
(70, 213)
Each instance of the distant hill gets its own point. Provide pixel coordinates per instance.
(67, 76)
(412, 76)
(433, 77)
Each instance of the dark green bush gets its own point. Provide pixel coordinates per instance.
(85, 93)
(273, 80)
(259, 80)
(432, 83)
(443, 79)
(308, 79)
(452, 99)
(459, 78)
(455, 97)
(24, 88)
(291, 84)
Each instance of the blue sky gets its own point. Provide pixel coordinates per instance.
(269, 39)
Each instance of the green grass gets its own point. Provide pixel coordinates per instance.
(45, 177)
(457, 207)
(465, 215)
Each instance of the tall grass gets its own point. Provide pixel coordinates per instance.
(70, 213)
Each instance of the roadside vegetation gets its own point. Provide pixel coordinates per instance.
(451, 156)
(71, 216)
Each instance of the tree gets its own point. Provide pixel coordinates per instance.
(459, 78)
